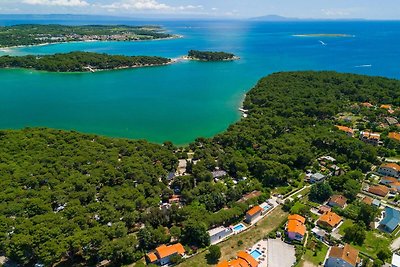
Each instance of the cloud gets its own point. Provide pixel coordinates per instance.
(136, 5)
(68, 3)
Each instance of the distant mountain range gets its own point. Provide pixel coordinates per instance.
(273, 18)
(281, 18)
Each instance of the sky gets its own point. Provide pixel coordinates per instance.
(325, 9)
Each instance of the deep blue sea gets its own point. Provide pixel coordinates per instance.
(189, 99)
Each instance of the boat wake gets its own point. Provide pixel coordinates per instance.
(363, 66)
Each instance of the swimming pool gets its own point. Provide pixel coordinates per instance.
(256, 254)
(238, 227)
(266, 207)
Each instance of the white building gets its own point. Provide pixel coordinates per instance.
(219, 234)
(396, 260)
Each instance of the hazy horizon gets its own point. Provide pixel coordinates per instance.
(235, 9)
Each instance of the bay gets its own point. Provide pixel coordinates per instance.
(186, 100)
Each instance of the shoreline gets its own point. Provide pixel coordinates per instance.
(323, 35)
(9, 48)
(93, 70)
(201, 60)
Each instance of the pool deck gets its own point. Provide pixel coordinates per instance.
(261, 246)
(273, 204)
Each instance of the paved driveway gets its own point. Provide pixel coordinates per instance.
(280, 254)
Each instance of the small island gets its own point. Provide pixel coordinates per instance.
(81, 62)
(323, 35)
(33, 34)
(210, 56)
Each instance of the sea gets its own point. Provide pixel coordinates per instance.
(189, 99)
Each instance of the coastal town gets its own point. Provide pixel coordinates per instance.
(328, 221)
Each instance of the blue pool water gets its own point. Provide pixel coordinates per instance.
(267, 207)
(238, 227)
(256, 254)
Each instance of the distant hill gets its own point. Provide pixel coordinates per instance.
(273, 18)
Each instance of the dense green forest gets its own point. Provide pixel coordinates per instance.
(210, 56)
(79, 61)
(34, 34)
(84, 198)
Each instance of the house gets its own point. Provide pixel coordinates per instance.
(395, 260)
(319, 233)
(218, 234)
(243, 259)
(388, 107)
(376, 203)
(163, 253)
(346, 256)
(219, 173)
(367, 105)
(323, 209)
(390, 169)
(337, 201)
(295, 227)
(395, 186)
(391, 220)
(392, 121)
(317, 178)
(387, 180)
(329, 220)
(367, 200)
(253, 214)
(379, 190)
(345, 129)
(394, 136)
(371, 138)
(174, 199)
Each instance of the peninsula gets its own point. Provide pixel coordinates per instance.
(80, 62)
(210, 56)
(32, 34)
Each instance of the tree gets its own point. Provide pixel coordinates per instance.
(384, 254)
(195, 233)
(320, 192)
(355, 234)
(175, 232)
(367, 214)
(214, 253)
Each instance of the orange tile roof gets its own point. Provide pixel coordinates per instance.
(165, 251)
(243, 259)
(152, 257)
(379, 190)
(248, 258)
(366, 104)
(338, 199)
(254, 210)
(330, 218)
(394, 136)
(347, 253)
(391, 166)
(295, 226)
(386, 106)
(345, 129)
(389, 179)
(297, 217)
(367, 200)
(322, 209)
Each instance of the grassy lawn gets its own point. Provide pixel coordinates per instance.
(375, 240)
(346, 224)
(230, 247)
(315, 258)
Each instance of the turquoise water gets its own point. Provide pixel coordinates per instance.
(256, 254)
(189, 99)
(238, 227)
